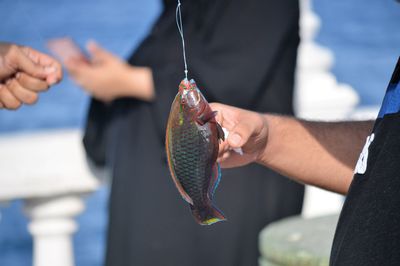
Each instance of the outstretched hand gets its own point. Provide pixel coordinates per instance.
(107, 77)
(99, 77)
(247, 130)
(24, 72)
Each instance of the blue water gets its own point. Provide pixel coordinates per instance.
(362, 34)
(118, 25)
(365, 38)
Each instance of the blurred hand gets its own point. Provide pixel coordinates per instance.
(24, 72)
(247, 130)
(107, 77)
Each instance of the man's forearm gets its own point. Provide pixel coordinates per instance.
(316, 153)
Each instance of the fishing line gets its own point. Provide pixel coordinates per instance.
(179, 24)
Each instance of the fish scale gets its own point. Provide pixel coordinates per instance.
(192, 162)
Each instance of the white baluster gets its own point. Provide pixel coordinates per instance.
(49, 171)
(319, 96)
(52, 226)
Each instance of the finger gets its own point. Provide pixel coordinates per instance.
(2, 87)
(223, 147)
(232, 159)
(56, 75)
(97, 53)
(8, 99)
(75, 67)
(239, 123)
(219, 117)
(38, 57)
(240, 134)
(223, 157)
(81, 73)
(20, 93)
(31, 83)
(226, 115)
(52, 67)
(24, 63)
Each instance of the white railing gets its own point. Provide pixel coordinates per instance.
(49, 172)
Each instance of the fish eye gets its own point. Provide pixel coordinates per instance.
(192, 98)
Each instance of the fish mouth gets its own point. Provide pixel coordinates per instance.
(190, 93)
(185, 85)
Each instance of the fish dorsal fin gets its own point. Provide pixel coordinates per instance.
(205, 117)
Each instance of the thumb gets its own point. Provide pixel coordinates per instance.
(239, 135)
(97, 53)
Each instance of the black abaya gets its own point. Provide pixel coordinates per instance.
(241, 53)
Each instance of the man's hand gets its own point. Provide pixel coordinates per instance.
(247, 130)
(24, 72)
(107, 77)
(322, 154)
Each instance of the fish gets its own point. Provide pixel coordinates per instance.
(192, 144)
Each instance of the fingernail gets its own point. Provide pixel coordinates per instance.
(52, 81)
(18, 75)
(50, 69)
(235, 139)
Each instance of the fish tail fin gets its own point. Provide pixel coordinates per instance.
(207, 215)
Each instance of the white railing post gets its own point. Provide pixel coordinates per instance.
(52, 226)
(318, 95)
(48, 170)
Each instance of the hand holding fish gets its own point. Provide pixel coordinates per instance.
(247, 130)
(322, 154)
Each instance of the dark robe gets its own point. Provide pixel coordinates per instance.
(241, 53)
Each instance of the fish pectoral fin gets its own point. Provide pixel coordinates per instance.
(206, 117)
(221, 134)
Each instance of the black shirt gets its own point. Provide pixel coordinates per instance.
(368, 232)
